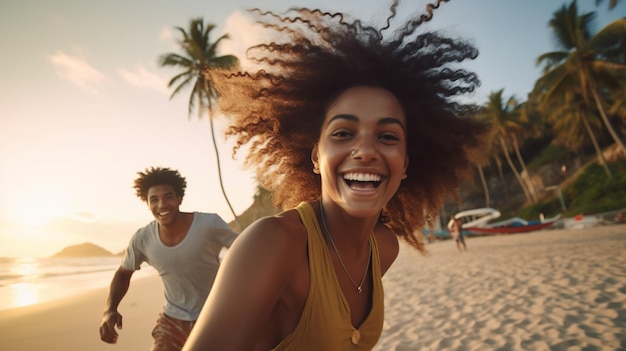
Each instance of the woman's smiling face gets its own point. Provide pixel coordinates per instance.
(361, 153)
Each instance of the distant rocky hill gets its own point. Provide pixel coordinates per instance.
(83, 250)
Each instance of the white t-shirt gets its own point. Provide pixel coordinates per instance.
(188, 268)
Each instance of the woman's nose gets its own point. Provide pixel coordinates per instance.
(364, 151)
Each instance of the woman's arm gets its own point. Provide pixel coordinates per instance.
(247, 287)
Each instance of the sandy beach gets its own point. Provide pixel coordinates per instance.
(547, 290)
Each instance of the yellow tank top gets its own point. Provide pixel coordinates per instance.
(325, 323)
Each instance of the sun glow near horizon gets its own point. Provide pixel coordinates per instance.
(35, 207)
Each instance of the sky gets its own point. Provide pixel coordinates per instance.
(84, 105)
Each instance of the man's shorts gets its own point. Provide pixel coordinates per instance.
(170, 334)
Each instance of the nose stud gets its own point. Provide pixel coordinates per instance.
(353, 153)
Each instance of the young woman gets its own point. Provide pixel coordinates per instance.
(363, 136)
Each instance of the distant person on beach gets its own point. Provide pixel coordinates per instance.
(457, 234)
(360, 138)
(183, 247)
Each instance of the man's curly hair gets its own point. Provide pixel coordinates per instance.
(158, 176)
(278, 110)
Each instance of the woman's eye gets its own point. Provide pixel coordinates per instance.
(341, 134)
(389, 137)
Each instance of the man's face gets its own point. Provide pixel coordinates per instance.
(164, 203)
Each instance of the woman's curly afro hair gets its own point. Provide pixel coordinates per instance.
(277, 111)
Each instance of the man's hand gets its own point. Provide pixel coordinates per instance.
(110, 320)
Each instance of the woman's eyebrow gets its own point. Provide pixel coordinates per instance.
(353, 118)
(392, 120)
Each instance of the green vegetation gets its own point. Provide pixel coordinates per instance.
(549, 154)
(592, 192)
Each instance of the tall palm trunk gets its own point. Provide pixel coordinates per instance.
(217, 157)
(532, 186)
(500, 170)
(515, 172)
(499, 164)
(219, 173)
(595, 143)
(484, 183)
(602, 112)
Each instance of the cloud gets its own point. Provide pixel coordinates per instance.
(243, 33)
(84, 216)
(166, 34)
(76, 70)
(142, 78)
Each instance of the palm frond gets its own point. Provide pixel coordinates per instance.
(187, 80)
(551, 59)
(610, 41)
(173, 59)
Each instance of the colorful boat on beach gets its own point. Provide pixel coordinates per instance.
(477, 221)
(477, 217)
(517, 226)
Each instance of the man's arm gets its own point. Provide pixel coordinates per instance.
(112, 318)
(224, 234)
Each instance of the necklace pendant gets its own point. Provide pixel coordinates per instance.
(359, 289)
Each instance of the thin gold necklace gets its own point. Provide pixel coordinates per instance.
(359, 288)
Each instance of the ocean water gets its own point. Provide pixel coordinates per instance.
(28, 281)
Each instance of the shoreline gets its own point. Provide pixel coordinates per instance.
(559, 289)
(73, 283)
(72, 323)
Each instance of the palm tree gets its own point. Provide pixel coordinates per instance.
(585, 56)
(571, 122)
(483, 182)
(504, 122)
(200, 55)
(526, 127)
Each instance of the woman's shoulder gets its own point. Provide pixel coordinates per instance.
(283, 224)
(280, 234)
